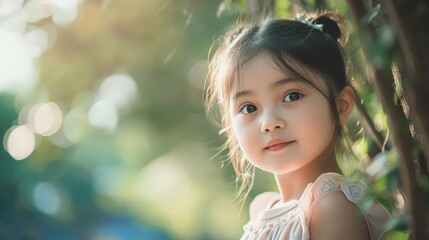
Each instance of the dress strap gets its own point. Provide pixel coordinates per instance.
(326, 183)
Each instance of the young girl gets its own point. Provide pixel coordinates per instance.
(284, 100)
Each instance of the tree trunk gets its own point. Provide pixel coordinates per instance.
(410, 21)
(398, 123)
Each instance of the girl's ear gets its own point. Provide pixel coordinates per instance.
(345, 104)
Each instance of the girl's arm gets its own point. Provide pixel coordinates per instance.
(335, 217)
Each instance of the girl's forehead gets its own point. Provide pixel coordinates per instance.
(257, 66)
(260, 61)
(264, 64)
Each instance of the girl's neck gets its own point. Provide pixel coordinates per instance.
(292, 185)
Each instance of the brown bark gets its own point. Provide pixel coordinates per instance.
(399, 130)
(409, 20)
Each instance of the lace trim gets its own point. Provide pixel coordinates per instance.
(271, 223)
(355, 191)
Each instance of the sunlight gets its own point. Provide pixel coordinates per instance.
(45, 119)
(64, 16)
(65, 4)
(119, 89)
(62, 12)
(10, 7)
(20, 142)
(38, 40)
(103, 114)
(35, 10)
(17, 69)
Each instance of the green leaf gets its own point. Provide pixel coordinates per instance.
(242, 3)
(371, 14)
(282, 8)
(397, 235)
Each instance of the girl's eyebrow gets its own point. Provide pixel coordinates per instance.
(240, 94)
(283, 82)
(273, 85)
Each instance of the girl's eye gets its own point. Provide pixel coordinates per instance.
(293, 96)
(247, 109)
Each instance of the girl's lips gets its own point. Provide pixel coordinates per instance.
(276, 145)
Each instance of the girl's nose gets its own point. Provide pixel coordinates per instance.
(272, 121)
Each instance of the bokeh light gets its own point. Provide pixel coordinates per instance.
(103, 114)
(155, 172)
(63, 16)
(20, 142)
(174, 196)
(45, 119)
(120, 90)
(197, 74)
(62, 12)
(107, 186)
(76, 125)
(35, 10)
(46, 198)
(38, 39)
(10, 7)
(16, 62)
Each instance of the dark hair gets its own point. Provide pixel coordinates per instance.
(310, 45)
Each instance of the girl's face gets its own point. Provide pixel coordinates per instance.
(280, 123)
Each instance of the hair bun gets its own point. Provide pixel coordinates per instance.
(330, 26)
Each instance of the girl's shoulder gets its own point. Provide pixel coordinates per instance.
(333, 199)
(334, 215)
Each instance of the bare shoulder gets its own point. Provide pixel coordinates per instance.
(335, 217)
(262, 202)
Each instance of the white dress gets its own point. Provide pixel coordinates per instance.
(291, 220)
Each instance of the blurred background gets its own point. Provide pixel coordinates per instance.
(102, 120)
(103, 126)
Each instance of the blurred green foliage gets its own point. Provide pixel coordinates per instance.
(151, 176)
